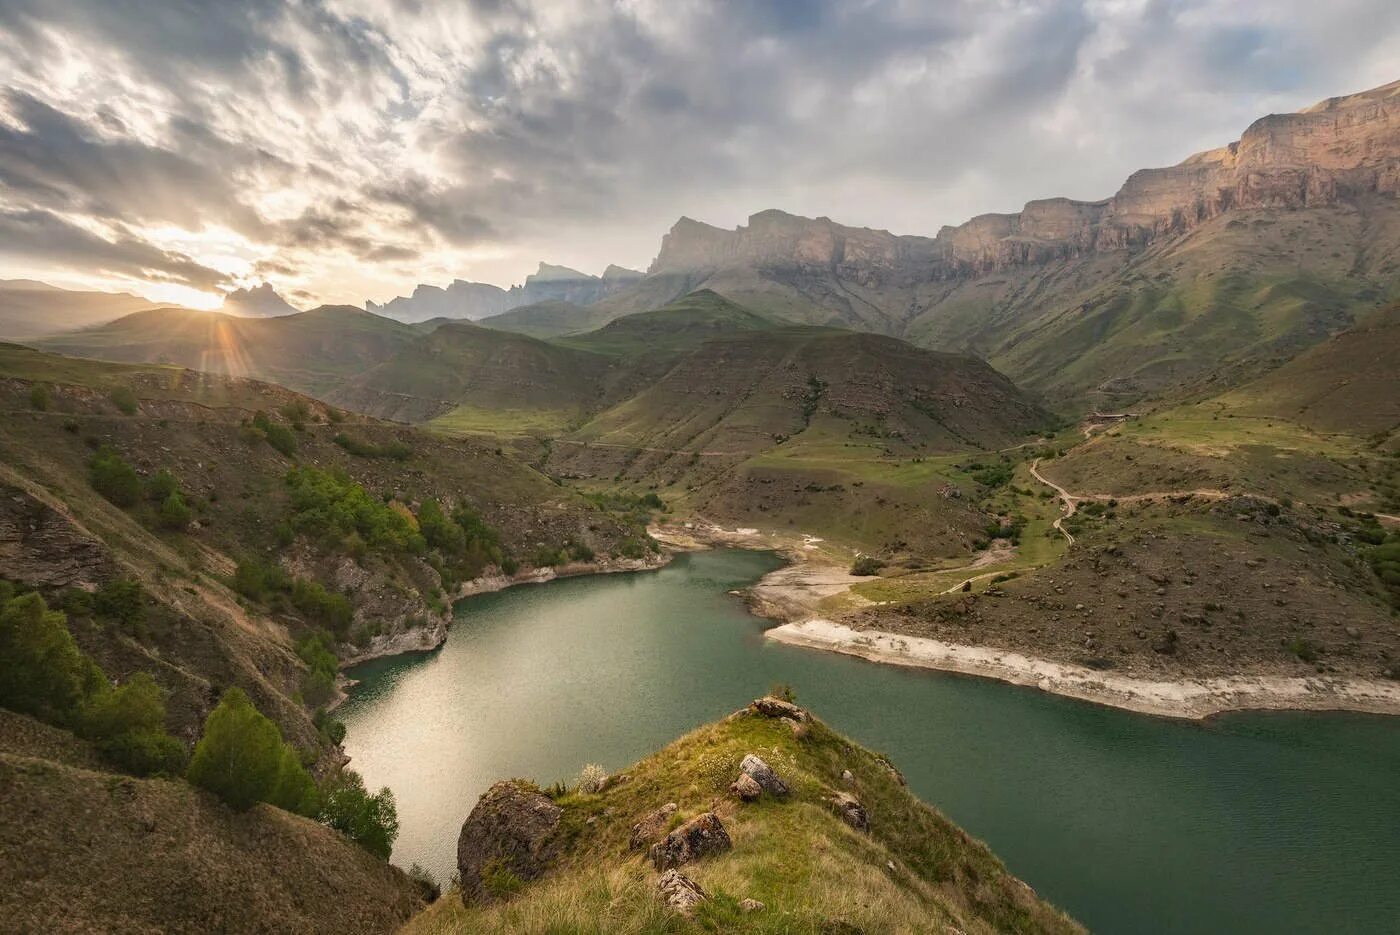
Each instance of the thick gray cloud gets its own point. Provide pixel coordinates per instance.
(347, 149)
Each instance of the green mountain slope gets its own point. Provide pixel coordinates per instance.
(103, 852)
(199, 632)
(548, 319)
(1350, 383)
(847, 849)
(310, 352)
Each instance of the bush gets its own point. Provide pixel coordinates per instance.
(175, 513)
(113, 478)
(122, 601)
(278, 436)
(294, 790)
(161, 485)
(124, 398)
(330, 506)
(145, 753)
(39, 397)
(323, 606)
(322, 664)
(396, 450)
(42, 671)
(592, 779)
(866, 565)
(330, 729)
(239, 758)
(371, 821)
(258, 579)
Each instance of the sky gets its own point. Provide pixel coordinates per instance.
(345, 150)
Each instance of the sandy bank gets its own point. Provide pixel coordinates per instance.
(1187, 698)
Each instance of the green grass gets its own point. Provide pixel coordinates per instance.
(477, 420)
(914, 870)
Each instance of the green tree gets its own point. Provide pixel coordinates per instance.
(39, 397)
(278, 436)
(371, 821)
(122, 600)
(42, 671)
(295, 790)
(113, 478)
(175, 513)
(128, 726)
(239, 757)
(161, 485)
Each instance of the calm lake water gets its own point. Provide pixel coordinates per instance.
(1268, 822)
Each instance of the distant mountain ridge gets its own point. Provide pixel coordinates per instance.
(475, 300)
(1339, 150)
(29, 308)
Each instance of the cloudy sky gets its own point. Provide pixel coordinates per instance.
(348, 149)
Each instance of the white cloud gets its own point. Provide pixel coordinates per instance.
(347, 149)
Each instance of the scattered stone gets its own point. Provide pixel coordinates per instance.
(768, 706)
(680, 892)
(648, 831)
(851, 811)
(701, 836)
(511, 829)
(763, 774)
(847, 777)
(746, 787)
(751, 905)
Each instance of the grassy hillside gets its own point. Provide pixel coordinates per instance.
(349, 526)
(464, 365)
(1350, 383)
(909, 870)
(548, 319)
(92, 851)
(310, 352)
(831, 432)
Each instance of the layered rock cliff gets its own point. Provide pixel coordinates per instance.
(1337, 151)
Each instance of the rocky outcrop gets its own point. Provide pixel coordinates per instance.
(851, 811)
(509, 836)
(702, 836)
(43, 546)
(653, 824)
(769, 706)
(763, 774)
(746, 788)
(680, 892)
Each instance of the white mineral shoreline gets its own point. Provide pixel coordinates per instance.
(790, 595)
(1189, 698)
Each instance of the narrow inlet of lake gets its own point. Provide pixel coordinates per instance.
(1263, 822)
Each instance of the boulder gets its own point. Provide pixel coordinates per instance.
(751, 905)
(763, 774)
(511, 830)
(649, 830)
(851, 811)
(768, 706)
(700, 837)
(680, 892)
(746, 787)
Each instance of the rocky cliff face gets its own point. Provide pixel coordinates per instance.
(1337, 151)
(475, 300)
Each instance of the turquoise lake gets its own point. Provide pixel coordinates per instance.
(1255, 822)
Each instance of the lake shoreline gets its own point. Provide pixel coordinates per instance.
(790, 597)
